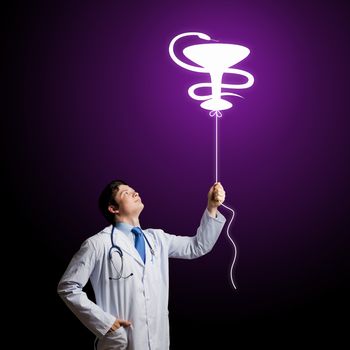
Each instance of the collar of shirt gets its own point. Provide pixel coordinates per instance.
(126, 229)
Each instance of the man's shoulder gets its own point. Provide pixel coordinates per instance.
(156, 234)
(153, 231)
(100, 237)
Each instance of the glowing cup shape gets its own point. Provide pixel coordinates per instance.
(215, 59)
(213, 56)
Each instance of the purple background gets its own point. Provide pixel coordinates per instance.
(93, 95)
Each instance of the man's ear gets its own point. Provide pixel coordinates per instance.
(112, 209)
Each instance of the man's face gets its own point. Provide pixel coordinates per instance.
(129, 201)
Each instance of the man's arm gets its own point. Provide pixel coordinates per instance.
(208, 232)
(70, 289)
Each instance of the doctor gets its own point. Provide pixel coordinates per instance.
(131, 283)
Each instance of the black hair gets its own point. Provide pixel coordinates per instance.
(107, 198)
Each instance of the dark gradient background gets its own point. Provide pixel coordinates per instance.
(92, 95)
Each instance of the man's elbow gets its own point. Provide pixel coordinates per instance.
(61, 289)
(64, 288)
(200, 250)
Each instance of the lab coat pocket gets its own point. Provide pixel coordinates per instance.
(115, 340)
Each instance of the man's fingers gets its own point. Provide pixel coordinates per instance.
(217, 185)
(219, 193)
(124, 323)
(220, 199)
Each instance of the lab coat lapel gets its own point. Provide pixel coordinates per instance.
(126, 246)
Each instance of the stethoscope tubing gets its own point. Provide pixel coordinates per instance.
(119, 250)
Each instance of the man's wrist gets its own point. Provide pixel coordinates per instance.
(212, 211)
(114, 326)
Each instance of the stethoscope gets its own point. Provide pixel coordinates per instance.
(117, 249)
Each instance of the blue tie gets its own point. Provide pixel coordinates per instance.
(139, 242)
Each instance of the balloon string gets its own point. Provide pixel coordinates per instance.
(234, 246)
(217, 115)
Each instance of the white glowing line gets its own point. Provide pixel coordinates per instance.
(234, 246)
(206, 97)
(217, 116)
(216, 149)
(247, 85)
(180, 63)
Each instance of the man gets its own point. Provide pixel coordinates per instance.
(131, 281)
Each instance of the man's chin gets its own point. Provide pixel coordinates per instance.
(141, 207)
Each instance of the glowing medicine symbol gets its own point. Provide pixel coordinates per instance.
(215, 59)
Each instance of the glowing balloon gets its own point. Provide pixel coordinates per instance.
(216, 59)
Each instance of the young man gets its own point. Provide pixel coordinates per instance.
(128, 270)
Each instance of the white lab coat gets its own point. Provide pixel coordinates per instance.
(141, 298)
